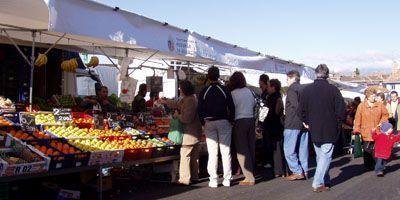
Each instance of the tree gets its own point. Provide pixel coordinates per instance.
(357, 72)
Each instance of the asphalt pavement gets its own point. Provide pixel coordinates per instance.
(349, 179)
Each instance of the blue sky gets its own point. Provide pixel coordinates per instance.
(344, 34)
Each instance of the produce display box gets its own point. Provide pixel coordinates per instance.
(60, 161)
(11, 116)
(172, 150)
(81, 115)
(68, 159)
(4, 121)
(36, 162)
(49, 114)
(105, 157)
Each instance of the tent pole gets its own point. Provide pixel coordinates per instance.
(115, 65)
(176, 82)
(140, 66)
(53, 45)
(17, 47)
(32, 68)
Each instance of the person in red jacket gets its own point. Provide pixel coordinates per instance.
(384, 141)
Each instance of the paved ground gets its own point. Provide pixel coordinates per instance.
(350, 181)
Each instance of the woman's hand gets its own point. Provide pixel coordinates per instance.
(176, 114)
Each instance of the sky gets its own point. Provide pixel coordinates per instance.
(343, 34)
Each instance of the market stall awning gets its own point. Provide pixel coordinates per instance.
(96, 28)
(25, 14)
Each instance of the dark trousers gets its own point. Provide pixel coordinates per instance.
(380, 165)
(275, 146)
(268, 153)
(369, 161)
(280, 166)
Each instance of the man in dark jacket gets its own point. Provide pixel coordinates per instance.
(322, 109)
(293, 134)
(217, 110)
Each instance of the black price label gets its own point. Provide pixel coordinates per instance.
(62, 114)
(112, 119)
(27, 122)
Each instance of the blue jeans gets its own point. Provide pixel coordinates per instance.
(324, 157)
(380, 165)
(295, 146)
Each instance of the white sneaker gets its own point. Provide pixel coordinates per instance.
(226, 183)
(213, 184)
(268, 166)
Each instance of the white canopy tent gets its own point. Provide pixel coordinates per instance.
(91, 27)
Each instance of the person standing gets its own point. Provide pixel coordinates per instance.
(322, 110)
(392, 106)
(244, 127)
(139, 103)
(268, 160)
(217, 111)
(187, 114)
(370, 114)
(380, 97)
(385, 140)
(274, 127)
(294, 134)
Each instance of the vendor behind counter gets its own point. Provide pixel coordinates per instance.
(101, 98)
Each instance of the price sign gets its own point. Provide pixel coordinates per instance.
(27, 122)
(112, 119)
(62, 114)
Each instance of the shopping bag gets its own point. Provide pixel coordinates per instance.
(357, 149)
(175, 131)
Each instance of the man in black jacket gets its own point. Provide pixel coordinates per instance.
(294, 134)
(217, 110)
(322, 109)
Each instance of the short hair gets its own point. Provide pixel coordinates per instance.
(213, 73)
(186, 87)
(369, 91)
(276, 84)
(382, 95)
(322, 71)
(153, 94)
(264, 78)
(394, 92)
(237, 80)
(294, 73)
(142, 87)
(358, 99)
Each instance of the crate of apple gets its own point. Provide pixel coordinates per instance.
(69, 132)
(101, 151)
(45, 119)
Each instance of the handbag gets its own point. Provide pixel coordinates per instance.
(260, 110)
(175, 131)
(357, 148)
(369, 147)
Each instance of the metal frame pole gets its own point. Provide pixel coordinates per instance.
(32, 70)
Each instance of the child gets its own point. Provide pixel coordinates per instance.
(384, 141)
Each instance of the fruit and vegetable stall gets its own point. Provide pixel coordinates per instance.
(37, 144)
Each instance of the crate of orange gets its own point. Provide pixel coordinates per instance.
(73, 156)
(58, 160)
(5, 122)
(21, 159)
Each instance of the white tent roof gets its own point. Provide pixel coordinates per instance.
(27, 14)
(93, 27)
